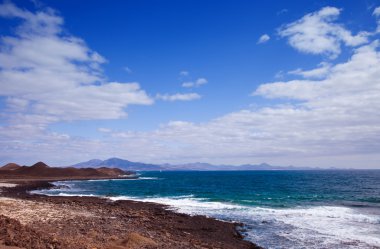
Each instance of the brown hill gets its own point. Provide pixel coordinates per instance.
(10, 166)
(112, 171)
(39, 165)
(40, 169)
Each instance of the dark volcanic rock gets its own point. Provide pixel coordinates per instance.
(13, 233)
(117, 225)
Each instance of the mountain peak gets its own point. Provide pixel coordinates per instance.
(264, 164)
(118, 163)
(115, 159)
(40, 165)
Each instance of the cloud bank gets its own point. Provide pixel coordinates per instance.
(336, 116)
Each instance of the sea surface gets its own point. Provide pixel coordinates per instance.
(280, 209)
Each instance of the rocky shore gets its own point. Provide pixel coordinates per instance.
(37, 221)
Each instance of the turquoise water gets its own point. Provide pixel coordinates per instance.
(280, 209)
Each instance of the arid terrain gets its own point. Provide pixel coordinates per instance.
(36, 221)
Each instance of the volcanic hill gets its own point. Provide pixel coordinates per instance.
(41, 170)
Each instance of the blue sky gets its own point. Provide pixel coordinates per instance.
(81, 81)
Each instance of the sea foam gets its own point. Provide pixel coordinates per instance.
(301, 227)
(312, 221)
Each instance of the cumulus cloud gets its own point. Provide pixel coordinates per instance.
(47, 72)
(319, 33)
(179, 96)
(319, 72)
(197, 83)
(327, 116)
(329, 121)
(48, 76)
(356, 77)
(263, 39)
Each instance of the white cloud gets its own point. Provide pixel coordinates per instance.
(179, 96)
(320, 72)
(318, 33)
(91, 102)
(188, 84)
(47, 76)
(197, 83)
(335, 120)
(263, 39)
(327, 117)
(356, 76)
(376, 11)
(46, 72)
(41, 23)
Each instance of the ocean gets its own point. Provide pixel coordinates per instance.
(280, 209)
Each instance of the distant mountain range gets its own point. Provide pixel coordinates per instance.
(137, 166)
(118, 163)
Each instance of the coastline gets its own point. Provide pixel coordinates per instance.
(38, 221)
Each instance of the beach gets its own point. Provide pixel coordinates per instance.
(38, 221)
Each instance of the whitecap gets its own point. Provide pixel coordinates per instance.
(300, 227)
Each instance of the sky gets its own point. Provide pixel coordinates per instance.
(224, 82)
